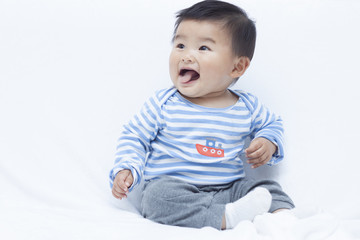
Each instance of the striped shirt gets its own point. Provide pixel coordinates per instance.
(200, 145)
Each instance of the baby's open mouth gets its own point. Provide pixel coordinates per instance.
(187, 75)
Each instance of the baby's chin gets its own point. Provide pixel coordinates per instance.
(187, 94)
(187, 89)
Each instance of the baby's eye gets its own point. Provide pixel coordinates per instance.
(204, 48)
(180, 46)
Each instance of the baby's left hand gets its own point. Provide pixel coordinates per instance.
(260, 152)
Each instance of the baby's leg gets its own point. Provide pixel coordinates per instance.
(173, 202)
(248, 207)
(243, 187)
(280, 200)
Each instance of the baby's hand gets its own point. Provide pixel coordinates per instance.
(260, 152)
(122, 182)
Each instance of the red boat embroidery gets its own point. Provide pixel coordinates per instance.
(210, 150)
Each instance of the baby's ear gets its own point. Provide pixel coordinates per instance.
(240, 66)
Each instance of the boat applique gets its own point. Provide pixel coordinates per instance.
(210, 150)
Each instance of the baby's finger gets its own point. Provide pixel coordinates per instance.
(256, 165)
(129, 180)
(118, 188)
(122, 181)
(260, 162)
(254, 147)
(119, 195)
(116, 194)
(257, 156)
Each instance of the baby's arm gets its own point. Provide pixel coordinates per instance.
(133, 146)
(267, 146)
(260, 152)
(123, 180)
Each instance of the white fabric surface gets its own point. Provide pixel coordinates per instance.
(72, 72)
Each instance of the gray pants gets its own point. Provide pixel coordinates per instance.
(170, 201)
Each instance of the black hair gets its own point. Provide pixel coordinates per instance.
(241, 29)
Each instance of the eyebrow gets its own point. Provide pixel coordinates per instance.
(204, 39)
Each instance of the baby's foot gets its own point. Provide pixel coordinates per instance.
(252, 204)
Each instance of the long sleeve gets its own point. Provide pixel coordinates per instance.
(267, 125)
(134, 142)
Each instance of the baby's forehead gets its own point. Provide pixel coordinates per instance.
(199, 22)
(186, 24)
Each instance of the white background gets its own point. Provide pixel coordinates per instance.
(72, 72)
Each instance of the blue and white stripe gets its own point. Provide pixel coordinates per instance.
(161, 139)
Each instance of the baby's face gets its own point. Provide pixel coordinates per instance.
(201, 61)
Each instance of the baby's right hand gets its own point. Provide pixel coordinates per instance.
(122, 182)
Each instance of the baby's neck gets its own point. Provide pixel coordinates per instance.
(223, 100)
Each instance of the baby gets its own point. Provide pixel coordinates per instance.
(186, 141)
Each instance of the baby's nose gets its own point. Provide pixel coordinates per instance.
(187, 58)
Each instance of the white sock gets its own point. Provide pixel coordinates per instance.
(254, 203)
